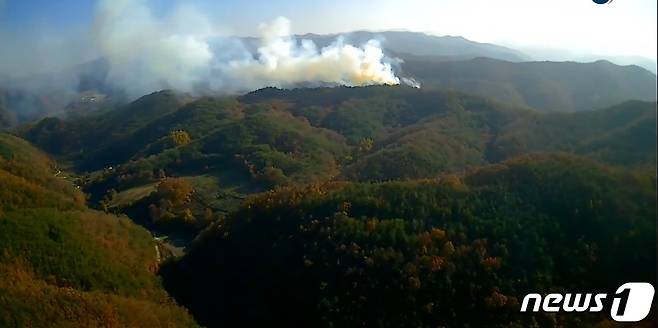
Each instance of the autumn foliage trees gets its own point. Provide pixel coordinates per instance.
(454, 251)
(458, 247)
(64, 265)
(173, 197)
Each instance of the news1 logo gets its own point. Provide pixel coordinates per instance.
(631, 302)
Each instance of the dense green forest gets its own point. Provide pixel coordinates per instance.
(62, 264)
(226, 148)
(382, 206)
(460, 250)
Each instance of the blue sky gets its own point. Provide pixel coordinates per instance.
(21, 14)
(240, 16)
(624, 27)
(26, 14)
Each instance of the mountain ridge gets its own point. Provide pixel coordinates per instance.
(448, 62)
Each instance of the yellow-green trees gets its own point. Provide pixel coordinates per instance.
(180, 138)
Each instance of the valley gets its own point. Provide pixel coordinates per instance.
(337, 164)
(470, 179)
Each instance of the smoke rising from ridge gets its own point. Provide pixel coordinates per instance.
(132, 50)
(182, 52)
(281, 60)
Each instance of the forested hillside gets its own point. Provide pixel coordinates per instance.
(381, 206)
(7, 118)
(225, 148)
(456, 251)
(222, 164)
(62, 264)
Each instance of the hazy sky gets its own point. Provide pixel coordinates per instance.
(623, 27)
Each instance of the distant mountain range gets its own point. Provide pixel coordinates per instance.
(404, 43)
(547, 86)
(449, 62)
(398, 42)
(422, 44)
(646, 63)
(552, 54)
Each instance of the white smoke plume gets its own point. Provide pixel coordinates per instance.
(281, 60)
(184, 49)
(145, 53)
(182, 52)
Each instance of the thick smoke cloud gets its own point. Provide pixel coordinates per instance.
(131, 51)
(282, 60)
(182, 52)
(145, 53)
